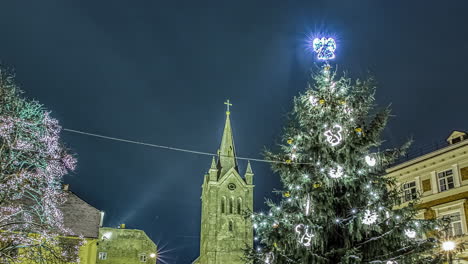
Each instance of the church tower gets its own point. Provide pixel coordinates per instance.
(225, 231)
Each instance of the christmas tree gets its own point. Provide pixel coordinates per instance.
(337, 205)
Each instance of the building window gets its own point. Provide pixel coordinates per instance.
(410, 191)
(445, 180)
(231, 226)
(142, 257)
(102, 255)
(231, 205)
(239, 205)
(223, 205)
(455, 224)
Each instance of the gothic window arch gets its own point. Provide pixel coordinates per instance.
(223, 205)
(231, 226)
(231, 205)
(239, 205)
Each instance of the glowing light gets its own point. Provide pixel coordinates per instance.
(448, 245)
(313, 100)
(269, 257)
(371, 161)
(369, 217)
(336, 173)
(334, 135)
(410, 233)
(325, 48)
(107, 235)
(152, 255)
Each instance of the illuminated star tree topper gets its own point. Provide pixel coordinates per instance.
(325, 48)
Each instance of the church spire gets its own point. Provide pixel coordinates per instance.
(227, 153)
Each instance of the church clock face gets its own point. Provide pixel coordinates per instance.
(231, 186)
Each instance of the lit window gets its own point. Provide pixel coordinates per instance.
(142, 257)
(409, 190)
(455, 224)
(445, 180)
(102, 255)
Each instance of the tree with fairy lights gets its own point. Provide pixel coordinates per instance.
(32, 164)
(337, 206)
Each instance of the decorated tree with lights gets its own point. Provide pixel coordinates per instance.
(337, 205)
(32, 164)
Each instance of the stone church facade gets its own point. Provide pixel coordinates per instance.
(225, 231)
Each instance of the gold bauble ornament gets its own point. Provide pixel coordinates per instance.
(287, 194)
(290, 141)
(288, 161)
(321, 101)
(317, 185)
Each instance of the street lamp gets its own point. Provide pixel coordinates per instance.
(449, 246)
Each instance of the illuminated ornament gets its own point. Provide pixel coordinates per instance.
(392, 262)
(369, 218)
(334, 135)
(358, 130)
(336, 173)
(152, 255)
(371, 161)
(325, 48)
(275, 225)
(287, 194)
(410, 233)
(313, 100)
(305, 237)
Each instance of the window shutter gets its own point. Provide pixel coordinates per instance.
(464, 173)
(426, 185)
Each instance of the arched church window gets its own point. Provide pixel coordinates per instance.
(223, 205)
(231, 205)
(231, 226)
(239, 205)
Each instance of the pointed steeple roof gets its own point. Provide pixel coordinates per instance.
(213, 164)
(227, 151)
(249, 169)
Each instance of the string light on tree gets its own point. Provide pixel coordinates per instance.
(369, 217)
(313, 101)
(371, 161)
(269, 258)
(336, 173)
(410, 233)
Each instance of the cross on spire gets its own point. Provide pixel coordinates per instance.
(228, 104)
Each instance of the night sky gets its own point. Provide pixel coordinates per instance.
(159, 72)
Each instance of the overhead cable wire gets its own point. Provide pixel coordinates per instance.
(171, 148)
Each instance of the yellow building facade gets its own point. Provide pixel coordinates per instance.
(440, 177)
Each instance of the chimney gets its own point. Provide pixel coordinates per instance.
(66, 187)
(122, 226)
